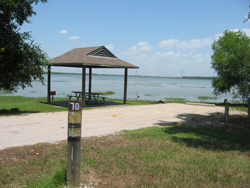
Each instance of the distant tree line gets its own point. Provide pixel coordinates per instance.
(197, 77)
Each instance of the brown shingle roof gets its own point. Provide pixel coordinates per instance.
(96, 57)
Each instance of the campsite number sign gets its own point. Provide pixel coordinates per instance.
(74, 118)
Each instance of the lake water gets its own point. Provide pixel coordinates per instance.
(139, 87)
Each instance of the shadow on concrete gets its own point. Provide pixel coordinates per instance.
(90, 104)
(15, 112)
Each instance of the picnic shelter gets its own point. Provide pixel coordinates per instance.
(89, 57)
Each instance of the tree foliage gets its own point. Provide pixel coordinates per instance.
(21, 60)
(247, 17)
(231, 62)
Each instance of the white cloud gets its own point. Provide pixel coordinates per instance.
(63, 32)
(169, 54)
(217, 36)
(144, 46)
(247, 31)
(145, 56)
(168, 44)
(110, 47)
(234, 30)
(172, 56)
(197, 58)
(196, 43)
(192, 44)
(140, 47)
(133, 48)
(74, 37)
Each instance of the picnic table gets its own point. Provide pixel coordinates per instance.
(88, 96)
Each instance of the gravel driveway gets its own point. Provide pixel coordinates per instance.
(52, 127)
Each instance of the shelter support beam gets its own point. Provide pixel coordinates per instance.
(90, 81)
(83, 85)
(125, 86)
(49, 83)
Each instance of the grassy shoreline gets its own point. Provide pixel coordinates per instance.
(16, 105)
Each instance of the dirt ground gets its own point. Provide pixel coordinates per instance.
(52, 127)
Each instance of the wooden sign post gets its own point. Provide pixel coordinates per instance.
(226, 110)
(248, 103)
(74, 142)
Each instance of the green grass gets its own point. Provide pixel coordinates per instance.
(166, 156)
(26, 105)
(239, 106)
(36, 105)
(171, 156)
(177, 100)
(245, 108)
(238, 101)
(106, 92)
(133, 102)
(33, 166)
(206, 97)
(57, 179)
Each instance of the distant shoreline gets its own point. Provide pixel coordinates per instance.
(183, 77)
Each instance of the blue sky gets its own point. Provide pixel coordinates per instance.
(162, 37)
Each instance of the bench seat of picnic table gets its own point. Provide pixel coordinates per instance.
(87, 97)
(72, 96)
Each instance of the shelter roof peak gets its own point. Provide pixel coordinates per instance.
(96, 57)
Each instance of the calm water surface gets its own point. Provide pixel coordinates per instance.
(139, 87)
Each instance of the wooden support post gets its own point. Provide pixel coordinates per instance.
(125, 86)
(83, 85)
(90, 82)
(74, 143)
(226, 113)
(48, 83)
(74, 161)
(248, 102)
(226, 110)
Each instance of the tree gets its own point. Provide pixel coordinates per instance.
(231, 62)
(21, 60)
(247, 16)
